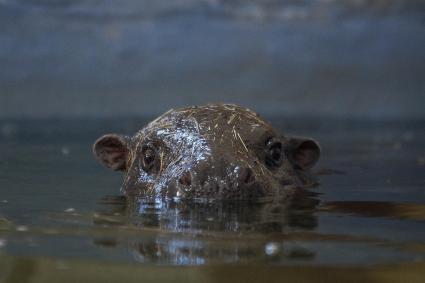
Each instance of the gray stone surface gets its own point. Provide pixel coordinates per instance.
(87, 58)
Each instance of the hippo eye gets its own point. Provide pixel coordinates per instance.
(149, 157)
(274, 155)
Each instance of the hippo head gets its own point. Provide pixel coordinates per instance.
(218, 151)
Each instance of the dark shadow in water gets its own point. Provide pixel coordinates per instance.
(377, 209)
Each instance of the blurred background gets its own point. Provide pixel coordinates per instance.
(323, 58)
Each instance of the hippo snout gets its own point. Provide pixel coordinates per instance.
(243, 176)
(219, 182)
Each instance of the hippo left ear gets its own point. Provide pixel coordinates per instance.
(112, 150)
(303, 152)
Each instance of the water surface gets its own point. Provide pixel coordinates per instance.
(62, 216)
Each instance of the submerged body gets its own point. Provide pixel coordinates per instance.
(217, 151)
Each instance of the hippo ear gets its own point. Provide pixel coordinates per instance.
(303, 152)
(112, 150)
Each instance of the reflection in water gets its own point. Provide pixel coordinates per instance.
(199, 233)
(188, 233)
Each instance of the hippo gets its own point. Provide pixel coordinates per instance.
(210, 152)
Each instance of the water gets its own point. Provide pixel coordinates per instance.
(62, 217)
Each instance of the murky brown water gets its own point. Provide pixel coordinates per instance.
(62, 218)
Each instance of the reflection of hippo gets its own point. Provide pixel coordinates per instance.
(217, 151)
(187, 233)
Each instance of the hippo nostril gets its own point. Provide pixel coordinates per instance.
(246, 176)
(186, 179)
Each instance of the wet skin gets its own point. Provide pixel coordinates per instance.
(217, 151)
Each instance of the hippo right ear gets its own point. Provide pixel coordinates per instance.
(112, 151)
(303, 152)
